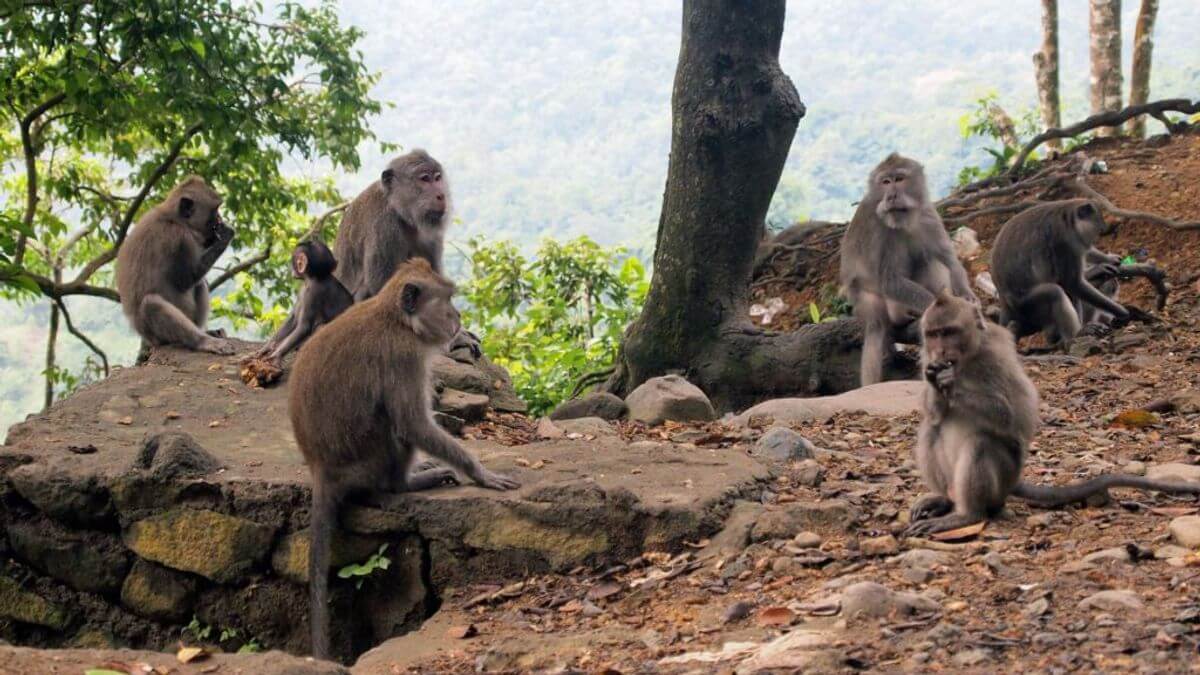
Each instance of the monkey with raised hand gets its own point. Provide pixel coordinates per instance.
(979, 414)
(322, 299)
(1044, 262)
(360, 406)
(162, 264)
(894, 256)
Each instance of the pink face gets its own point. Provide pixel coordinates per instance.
(299, 264)
(433, 192)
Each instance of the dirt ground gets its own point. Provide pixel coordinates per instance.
(1007, 600)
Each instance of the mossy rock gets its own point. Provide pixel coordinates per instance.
(24, 606)
(290, 559)
(216, 546)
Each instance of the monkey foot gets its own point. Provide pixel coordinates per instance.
(1097, 330)
(217, 333)
(930, 506)
(930, 526)
(218, 346)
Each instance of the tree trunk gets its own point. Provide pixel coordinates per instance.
(734, 114)
(1139, 73)
(51, 343)
(1045, 66)
(1105, 26)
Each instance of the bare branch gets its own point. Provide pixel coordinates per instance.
(31, 177)
(1113, 118)
(1086, 190)
(62, 308)
(319, 223)
(246, 264)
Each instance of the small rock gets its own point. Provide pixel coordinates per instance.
(1185, 530)
(1174, 471)
(869, 599)
(1048, 640)
(469, 407)
(1112, 601)
(600, 404)
(548, 429)
(782, 443)
(996, 563)
(1168, 551)
(586, 426)
(737, 611)
(917, 575)
(809, 473)
(174, 454)
(214, 545)
(669, 397)
(18, 604)
(1118, 554)
(972, 657)
(807, 540)
(789, 519)
(923, 558)
(1036, 608)
(158, 593)
(877, 546)
(1135, 468)
(81, 500)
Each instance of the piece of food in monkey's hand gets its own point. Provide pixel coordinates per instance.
(958, 534)
(260, 372)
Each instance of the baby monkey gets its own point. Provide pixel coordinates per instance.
(322, 299)
(979, 414)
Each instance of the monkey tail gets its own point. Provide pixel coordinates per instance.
(324, 512)
(1054, 496)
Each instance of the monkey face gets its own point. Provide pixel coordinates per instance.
(1090, 224)
(951, 330)
(199, 207)
(431, 313)
(898, 189)
(299, 263)
(416, 189)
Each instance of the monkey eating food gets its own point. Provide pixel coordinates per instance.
(360, 407)
(895, 255)
(979, 413)
(161, 268)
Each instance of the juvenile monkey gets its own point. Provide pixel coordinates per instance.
(979, 413)
(1040, 265)
(895, 256)
(322, 299)
(161, 268)
(360, 408)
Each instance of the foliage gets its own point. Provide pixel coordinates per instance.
(360, 571)
(200, 632)
(553, 318)
(836, 307)
(987, 120)
(109, 104)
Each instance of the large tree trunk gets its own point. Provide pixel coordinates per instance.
(1045, 66)
(734, 114)
(1105, 27)
(1139, 73)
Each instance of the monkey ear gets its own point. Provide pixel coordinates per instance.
(1085, 211)
(387, 177)
(186, 207)
(408, 298)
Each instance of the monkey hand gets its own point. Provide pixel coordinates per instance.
(221, 231)
(494, 481)
(940, 374)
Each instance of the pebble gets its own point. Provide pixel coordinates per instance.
(1036, 608)
(737, 611)
(809, 473)
(1118, 554)
(1112, 601)
(972, 657)
(1048, 640)
(923, 557)
(807, 540)
(1169, 551)
(1185, 530)
(1135, 468)
(877, 546)
(917, 575)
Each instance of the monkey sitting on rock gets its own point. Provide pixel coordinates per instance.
(979, 414)
(322, 299)
(161, 268)
(360, 408)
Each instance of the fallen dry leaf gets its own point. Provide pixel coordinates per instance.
(775, 616)
(1135, 419)
(965, 532)
(189, 654)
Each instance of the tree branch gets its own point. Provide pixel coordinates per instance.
(62, 308)
(246, 264)
(1086, 190)
(136, 203)
(319, 223)
(31, 178)
(1112, 118)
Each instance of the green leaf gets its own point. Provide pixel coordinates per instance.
(1128, 260)
(814, 313)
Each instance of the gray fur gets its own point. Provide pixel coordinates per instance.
(895, 256)
(161, 268)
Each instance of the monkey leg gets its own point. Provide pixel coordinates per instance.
(985, 473)
(165, 323)
(1049, 307)
(930, 506)
(431, 478)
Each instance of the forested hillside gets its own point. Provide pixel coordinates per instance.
(553, 119)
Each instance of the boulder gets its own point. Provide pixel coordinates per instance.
(174, 454)
(73, 499)
(290, 559)
(92, 562)
(669, 397)
(885, 399)
(158, 593)
(18, 604)
(481, 377)
(463, 405)
(599, 404)
(222, 548)
(588, 426)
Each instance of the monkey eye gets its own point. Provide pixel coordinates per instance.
(426, 178)
(887, 181)
(437, 176)
(899, 179)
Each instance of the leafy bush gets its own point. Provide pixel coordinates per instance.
(555, 317)
(988, 120)
(359, 572)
